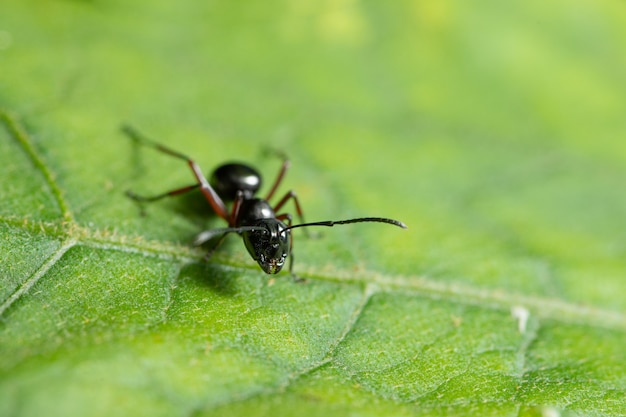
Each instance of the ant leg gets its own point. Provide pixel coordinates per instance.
(214, 247)
(296, 278)
(291, 195)
(234, 212)
(140, 200)
(212, 197)
(287, 219)
(281, 174)
(178, 191)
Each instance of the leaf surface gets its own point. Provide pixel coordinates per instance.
(495, 132)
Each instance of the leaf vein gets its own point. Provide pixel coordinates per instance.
(36, 276)
(19, 133)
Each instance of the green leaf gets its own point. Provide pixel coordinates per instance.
(495, 131)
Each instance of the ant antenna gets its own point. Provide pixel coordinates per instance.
(210, 234)
(331, 223)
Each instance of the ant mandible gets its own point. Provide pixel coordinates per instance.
(266, 235)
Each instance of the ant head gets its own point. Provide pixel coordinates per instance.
(269, 243)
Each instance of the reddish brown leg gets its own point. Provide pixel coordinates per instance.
(279, 178)
(291, 195)
(234, 213)
(214, 200)
(178, 191)
(286, 217)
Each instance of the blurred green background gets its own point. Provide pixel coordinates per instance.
(495, 130)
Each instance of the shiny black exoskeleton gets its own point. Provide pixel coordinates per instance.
(266, 234)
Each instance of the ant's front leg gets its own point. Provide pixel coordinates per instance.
(286, 217)
(214, 247)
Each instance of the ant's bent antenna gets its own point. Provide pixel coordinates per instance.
(207, 235)
(331, 223)
(210, 234)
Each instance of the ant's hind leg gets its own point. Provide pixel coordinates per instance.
(145, 199)
(141, 200)
(210, 194)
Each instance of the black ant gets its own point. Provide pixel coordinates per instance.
(267, 235)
